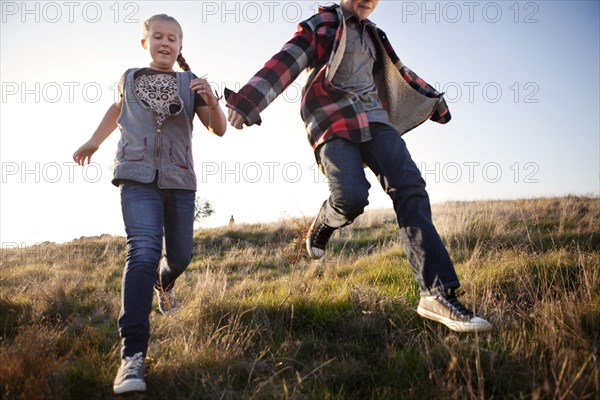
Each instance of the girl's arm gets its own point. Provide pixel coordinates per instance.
(211, 115)
(106, 127)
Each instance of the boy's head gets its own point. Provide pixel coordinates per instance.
(361, 9)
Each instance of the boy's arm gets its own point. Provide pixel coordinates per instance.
(276, 75)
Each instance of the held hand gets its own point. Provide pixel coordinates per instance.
(235, 119)
(84, 153)
(202, 87)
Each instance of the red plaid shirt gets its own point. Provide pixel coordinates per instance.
(329, 112)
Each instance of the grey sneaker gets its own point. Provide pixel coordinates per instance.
(130, 377)
(317, 237)
(447, 310)
(167, 302)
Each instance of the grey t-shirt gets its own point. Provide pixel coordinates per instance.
(355, 73)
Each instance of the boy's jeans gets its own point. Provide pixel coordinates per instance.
(387, 156)
(148, 212)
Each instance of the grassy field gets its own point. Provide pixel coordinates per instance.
(259, 320)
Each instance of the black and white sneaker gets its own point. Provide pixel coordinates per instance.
(130, 377)
(317, 237)
(447, 310)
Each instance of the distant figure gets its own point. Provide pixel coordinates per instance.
(231, 220)
(358, 100)
(154, 170)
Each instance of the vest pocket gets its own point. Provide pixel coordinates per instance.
(179, 156)
(134, 151)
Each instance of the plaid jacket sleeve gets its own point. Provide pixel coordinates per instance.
(275, 76)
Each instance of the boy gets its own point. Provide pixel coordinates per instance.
(358, 100)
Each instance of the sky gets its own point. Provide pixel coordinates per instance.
(521, 79)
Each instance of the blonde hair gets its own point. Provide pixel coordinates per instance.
(164, 17)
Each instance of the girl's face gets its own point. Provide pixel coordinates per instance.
(164, 44)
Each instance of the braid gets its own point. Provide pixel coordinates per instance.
(182, 63)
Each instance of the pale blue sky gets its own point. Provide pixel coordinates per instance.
(521, 79)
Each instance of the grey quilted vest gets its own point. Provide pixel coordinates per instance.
(145, 149)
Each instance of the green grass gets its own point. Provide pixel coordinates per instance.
(259, 320)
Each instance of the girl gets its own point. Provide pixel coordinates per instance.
(155, 172)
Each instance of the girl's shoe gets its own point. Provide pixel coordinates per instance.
(130, 377)
(167, 302)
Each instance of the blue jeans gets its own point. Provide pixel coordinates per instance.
(149, 213)
(387, 156)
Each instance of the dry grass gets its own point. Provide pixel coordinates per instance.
(261, 321)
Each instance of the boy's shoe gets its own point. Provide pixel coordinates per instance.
(130, 377)
(446, 309)
(167, 303)
(317, 237)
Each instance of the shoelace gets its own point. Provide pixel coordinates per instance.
(322, 235)
(457, 308)
(133, 364)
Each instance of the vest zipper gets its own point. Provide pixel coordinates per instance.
(157, 155)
